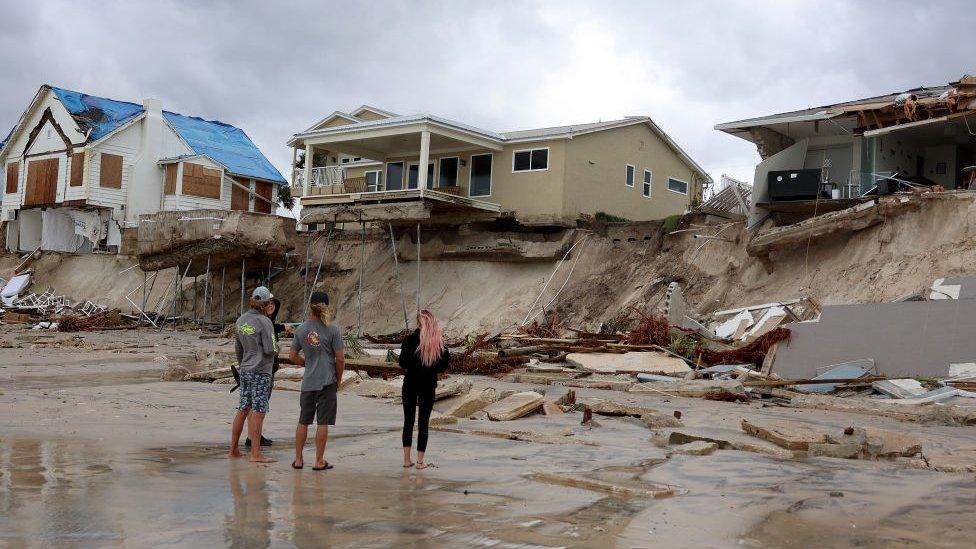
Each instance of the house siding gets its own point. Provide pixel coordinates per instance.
(595, 175)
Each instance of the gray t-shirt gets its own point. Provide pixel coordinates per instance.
(319, 344)
(255, 343)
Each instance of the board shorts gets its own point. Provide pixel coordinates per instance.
(320, 404)
(255, 391)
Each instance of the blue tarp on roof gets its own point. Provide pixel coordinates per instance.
(224, 143)
(98, 114)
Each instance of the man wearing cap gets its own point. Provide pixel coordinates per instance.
(321, 344)
(256, 347)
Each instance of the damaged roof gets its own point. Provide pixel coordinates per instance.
(223, 143)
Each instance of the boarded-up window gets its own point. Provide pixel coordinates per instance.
(42, 182)
(110, 171)
(239, 196)
(13, 171)
(77, 169)
(263, 189)
(169, 186)
(200, 181)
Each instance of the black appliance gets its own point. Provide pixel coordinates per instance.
(795, 185)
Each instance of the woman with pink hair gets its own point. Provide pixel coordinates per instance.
(422, 356)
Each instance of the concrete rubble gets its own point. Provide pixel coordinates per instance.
(515, 406)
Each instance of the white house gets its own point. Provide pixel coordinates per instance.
(80, 169)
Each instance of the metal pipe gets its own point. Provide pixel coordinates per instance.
(206, 294)
(362, 269)
(396, 274)
(328, 238)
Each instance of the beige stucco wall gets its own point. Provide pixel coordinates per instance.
(596, 175)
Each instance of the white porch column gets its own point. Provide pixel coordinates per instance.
(424, 159)
(307, 182)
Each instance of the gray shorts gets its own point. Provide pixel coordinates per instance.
(320, 404)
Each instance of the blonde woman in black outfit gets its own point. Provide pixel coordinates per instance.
(422, 356)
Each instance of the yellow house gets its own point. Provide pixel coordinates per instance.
(372, 164)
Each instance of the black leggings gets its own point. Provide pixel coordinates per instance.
(415, 397)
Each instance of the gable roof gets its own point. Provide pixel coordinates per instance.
(361, 108)
(223, 143)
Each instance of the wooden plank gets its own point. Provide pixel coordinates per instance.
(239, 197)
(200, 181)
(13, 172)
(263, 189)
(169, 186)
(77, 169)
(110, 171)
(42, 180)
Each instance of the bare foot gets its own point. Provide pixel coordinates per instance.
(234, 453)
(422, 465)
(261, 458)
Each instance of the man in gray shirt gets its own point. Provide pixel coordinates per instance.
(256, 347)
(321, 344)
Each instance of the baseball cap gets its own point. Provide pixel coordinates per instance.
(261, 293)
(319, 297)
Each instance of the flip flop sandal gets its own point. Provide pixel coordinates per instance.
(409, 466)
(293, 466)
(327, 466)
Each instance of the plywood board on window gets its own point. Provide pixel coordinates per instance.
(200, 181)
(13, 171)
(77, 169)
(169, 183)
(263, 189)
(42, 182)
(239, 196)
(110, 171)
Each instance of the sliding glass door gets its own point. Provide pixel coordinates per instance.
(480, 182)
(394, 176)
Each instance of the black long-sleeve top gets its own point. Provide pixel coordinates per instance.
(414, 369)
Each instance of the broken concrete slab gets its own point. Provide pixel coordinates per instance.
(772, 318)
(287, 385)
(452, 387)
(846, 450)
(348, 377)
(466, 405)
(899, 388)
(290, 373)
(660, 421)
(649, 362)
(734, 327)
(694, 448)
(610, 408)
(586, 483)
(695, 388)
(209, 375)
(437, 420)
(675, 308)
(558, 393)
(612, 383)
(789, 435)
(378, 388)
(893, 443)
(727, 439)
(515, 406)
(959, 460)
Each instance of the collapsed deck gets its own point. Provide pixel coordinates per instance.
(396, 206)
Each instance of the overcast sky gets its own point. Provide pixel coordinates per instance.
(274, 68)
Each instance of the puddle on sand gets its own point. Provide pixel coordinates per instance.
(67, 493)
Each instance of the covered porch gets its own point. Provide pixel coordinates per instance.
(384, 160)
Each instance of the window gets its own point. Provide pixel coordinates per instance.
(448, 172)
(77, 169)
(647, 183)
(110, 171)
(414, 175)
(677, 186)
(372, 181)
(13, 175)
(630, 176)
(394, 176)
(530, 160)
(479, 183)
(198, 180)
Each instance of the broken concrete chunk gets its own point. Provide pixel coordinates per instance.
(287, 385)
(696, 388)
(515, 406)
(660, 421)
(773, 317)
(695, 448)
(208, 375)
(558, 393)
(585, 483)
(378, 388)
(290, 373)
(893, 443)
(468, 404)
(649, 362)
(610, 408)
(734, 327)
(551, 409)
(789, 435)
(452, 387)
(846, 450)
(438, 420)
